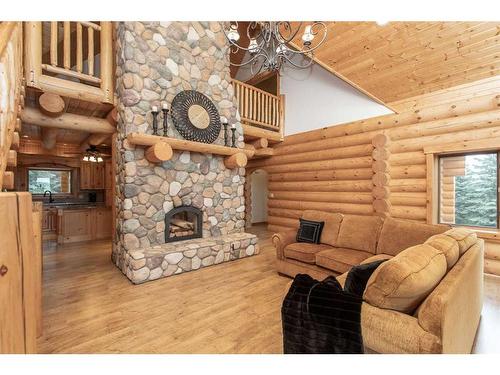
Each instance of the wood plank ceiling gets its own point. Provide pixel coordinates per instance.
(405, 59)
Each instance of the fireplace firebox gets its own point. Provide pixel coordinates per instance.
(183, 223)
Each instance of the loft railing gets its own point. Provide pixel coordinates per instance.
(72, 59)
(259, 108)
(11, 97)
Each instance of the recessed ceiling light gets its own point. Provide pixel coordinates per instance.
(381, 23)
(25, 136)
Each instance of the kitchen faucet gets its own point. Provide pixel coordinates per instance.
(50, 195)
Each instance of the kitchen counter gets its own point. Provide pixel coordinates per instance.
(74, 222)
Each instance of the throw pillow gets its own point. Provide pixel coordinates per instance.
(358, 276)
(309, 231)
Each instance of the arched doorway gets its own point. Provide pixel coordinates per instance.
(256, 197)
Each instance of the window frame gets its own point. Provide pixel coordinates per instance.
(465, 154)
(72, 191)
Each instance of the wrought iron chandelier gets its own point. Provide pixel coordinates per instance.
(269, 44)
(93, 155)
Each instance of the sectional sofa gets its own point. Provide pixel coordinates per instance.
(427, 296)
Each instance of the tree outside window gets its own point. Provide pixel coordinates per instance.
(57, 181)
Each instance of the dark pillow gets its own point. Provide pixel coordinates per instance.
(358, 276)
(309, 231)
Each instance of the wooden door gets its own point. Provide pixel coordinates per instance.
(76, 225)
(102, 222)
(86, 175)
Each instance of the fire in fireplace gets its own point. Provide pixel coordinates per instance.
(183, 223)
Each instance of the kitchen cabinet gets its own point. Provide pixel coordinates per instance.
(84, 224)
(91, 175)
(102, 223)
(49, 223)
(75, 225)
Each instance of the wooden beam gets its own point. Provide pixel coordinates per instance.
(260, 143)
(160, 151)
(238, 160)
(49, 137)
(250, 131)
(67, 121)
(8, 180)
(93, 140)
(112, 116)
(179, 144)
(12, 158)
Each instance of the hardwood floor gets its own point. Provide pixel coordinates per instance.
(90, 307)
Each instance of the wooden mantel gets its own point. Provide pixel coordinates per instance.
(235, 157)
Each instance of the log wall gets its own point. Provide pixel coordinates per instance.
(341, 168)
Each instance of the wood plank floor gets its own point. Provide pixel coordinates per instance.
(90, 307)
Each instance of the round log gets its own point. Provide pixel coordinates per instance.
(408, 171)
(381, 153)
(112, 116)
(15, 141)
(339, 174)
(324, 197)
(363, 162)
(408, 199)
(238, 160)
(380, 192)
(407, 212)
(346, 186)
(51, 104)
(360, 209)
(251, 149)
(260, 143)
(381, 205)
(8, 180)
(12, 158)
(159, 152)
(381, 179)
(492, 266)
(380, 166)
(380, 140)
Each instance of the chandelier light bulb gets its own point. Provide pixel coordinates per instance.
(281, 49)
(233, 34)
(253, 47)
(308, 36)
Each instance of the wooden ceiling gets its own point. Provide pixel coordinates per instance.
(405, 59)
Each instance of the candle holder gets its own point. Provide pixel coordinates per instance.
(165, 121)
(155, 122)
(233, 137)
(226, 135)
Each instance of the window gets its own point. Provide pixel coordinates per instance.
(58, 181)
(468, 190)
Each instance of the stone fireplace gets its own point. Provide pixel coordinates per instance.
(188, 212)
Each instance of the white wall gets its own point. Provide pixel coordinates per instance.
(258, 183)
(315, 98)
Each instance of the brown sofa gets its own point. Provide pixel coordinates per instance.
(427, 298)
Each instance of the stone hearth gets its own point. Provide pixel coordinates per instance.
(189, 255)
(156, 61)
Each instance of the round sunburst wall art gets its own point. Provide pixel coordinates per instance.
(195, 117)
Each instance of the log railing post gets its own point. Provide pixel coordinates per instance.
(381, 175)
(33, 53)
(107, 76)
